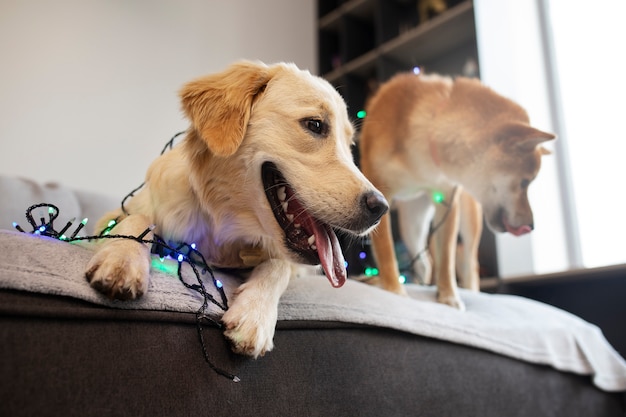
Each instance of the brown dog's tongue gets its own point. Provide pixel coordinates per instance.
(516, 231)
(331, 257)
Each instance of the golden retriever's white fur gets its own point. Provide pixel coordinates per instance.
(263, 177)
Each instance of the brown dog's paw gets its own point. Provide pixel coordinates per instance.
(452, 300)
(120, 270)
(394, 287)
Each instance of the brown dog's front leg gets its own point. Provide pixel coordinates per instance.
(120, 268)
(385, 254)
(444, 252)
(470, 229)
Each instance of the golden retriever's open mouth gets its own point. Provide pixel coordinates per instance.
(312, 240)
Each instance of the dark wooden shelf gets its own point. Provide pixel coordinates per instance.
(434, 38)
(421, 44)
(362, 9)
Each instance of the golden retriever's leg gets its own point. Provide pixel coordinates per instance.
(470, 228)
(414, 218)
(444, 251)
(120, 268)
(250, 321)
(385, 254)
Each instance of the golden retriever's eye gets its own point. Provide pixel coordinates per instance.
(315, 126)
(524, 184)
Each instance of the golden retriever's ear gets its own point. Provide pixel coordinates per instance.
(522, 137)
(219, 105)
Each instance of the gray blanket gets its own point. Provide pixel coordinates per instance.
(507, 325)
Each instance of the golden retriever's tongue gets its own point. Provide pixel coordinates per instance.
(331, 257)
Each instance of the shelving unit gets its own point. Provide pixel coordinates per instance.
(363, 43)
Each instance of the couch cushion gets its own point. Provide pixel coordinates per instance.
(507, 325)
(64, 357)
(18, 194)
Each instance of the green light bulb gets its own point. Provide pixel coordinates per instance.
(158, 264)
(438, 197)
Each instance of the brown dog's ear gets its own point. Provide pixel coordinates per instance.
(544, 151)
(219, 105)
(520, 136)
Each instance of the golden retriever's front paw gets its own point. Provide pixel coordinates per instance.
(452, 300)
(250, 330)
(120, 270)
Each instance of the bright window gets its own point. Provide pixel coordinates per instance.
(563, 61)
(588, 51)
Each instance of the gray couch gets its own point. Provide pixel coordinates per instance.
(356, 351)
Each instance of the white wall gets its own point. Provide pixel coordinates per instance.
(88, 87)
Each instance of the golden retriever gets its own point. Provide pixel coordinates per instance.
(263, 178)
(425, 134)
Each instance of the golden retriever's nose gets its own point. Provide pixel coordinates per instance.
(376, 205)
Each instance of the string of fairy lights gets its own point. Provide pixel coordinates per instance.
(171, 256)
(182, 253)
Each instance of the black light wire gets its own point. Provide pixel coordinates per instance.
(432, 231)
(169, 145)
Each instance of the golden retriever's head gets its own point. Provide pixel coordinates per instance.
(283, 137)
(506, 154)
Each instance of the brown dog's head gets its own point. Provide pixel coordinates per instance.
(272, 143)
(517, 159)
(503, 150)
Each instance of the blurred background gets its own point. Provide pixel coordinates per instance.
(88, 92)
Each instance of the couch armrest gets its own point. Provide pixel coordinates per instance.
(18, 194)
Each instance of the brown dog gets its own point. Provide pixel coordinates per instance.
(262, 178)
(426, 134)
